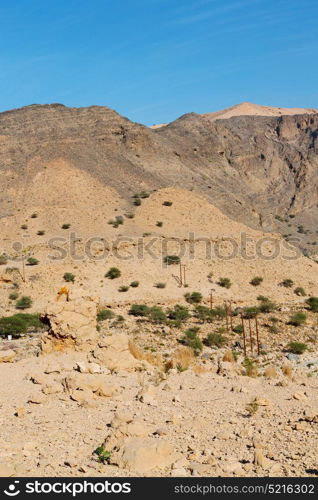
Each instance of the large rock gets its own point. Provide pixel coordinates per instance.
(144, 454)
(7, 356)
(113, 353)
(72, 324)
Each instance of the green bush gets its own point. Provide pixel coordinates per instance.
(250, 312)
(297, 347)
(113, 273)
(104, 314)
(3, 260)
(256, 281)
(123, 288)
(238, 329)
(24, 226)
(13, 296)
(171, 259)
(40, 233)
(215, 339)
(300, 291)
(159, 223)
(32, 261)
(69, 277)
(34, 216)
(134, 284)
(167, 203)
(266, 305)
(298, 319)
(287, 283)
(203, 314)
(225, 282)
(19, 324)
(194, 297)
(102, 454)
(137, 202)
(66, 226)
(312, 304)
(24, 303)
(157, 315)
(160, 285)
(192, 340)
(178, 313)
(139, 310)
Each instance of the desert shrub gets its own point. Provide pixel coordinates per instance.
(193, 298)
(24, 226)
(171, 259)
(102, 454)
(139, 310)
(250, 312)
(297, 347)
(119, 219)
(251, 408)
(215, 339)
(113, 273)
(134, 284)
(312, 304)
(266, 305)
(123, 288)
(238, 329)
(19, 324)
(24, 303)
(298, 319)
(40, 233)
(146, 234)
(3, 260)
(273, 329)
(130, 216)
(144, 194)
(225, 282)
(34, 216)
(287, 283)
(69, 277)
(167, 203)
(299, 290)
(137, 202)
(256, 281)
(66, 226)
(192, 340)
(160, 285)
(178, 313)
(159, 223)
(32, 261)
(104, 314)
(250, 367)
(203, 314)
(157, 315)
(13, 296)
(218, 312)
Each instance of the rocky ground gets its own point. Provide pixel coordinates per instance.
(151, 406)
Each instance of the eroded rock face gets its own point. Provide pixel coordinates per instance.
(72, 324)
(113, 353)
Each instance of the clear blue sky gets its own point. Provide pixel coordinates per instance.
(153, 60)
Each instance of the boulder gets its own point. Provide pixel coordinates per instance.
(72, 324)
(113, 352)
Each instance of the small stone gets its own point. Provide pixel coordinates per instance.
(299, 396)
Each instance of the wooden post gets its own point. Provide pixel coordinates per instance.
(257, 336)
(226, 317)
(181, 281)
(23, 268)
(211, 300)
(243, 331)
(184, 275)
(250, 328)
(231, 316)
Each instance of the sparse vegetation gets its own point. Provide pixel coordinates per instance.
(159, 223)
(178, 313)
(32, 261)
(312, 304)
(225, 282)
(297, 347)
(193, 298)
(156, 315)
(192, 340)
(69, 277)
(160, 285)
(113, 273)
(102, 454)
(134, 284)
(287, 283)
(66, 226)
(298, 319)
(216, 339)
(250, 367)
(266, 305)
(24, 227)
(13, 296)
(171, 259)
(299, 290)
(20, 324)
(256, 281)
(139, 310)
(167, 203)
(123, 288)
(104, 314)
(40, 233)
(3, 260)
(251, 408)
(24, 302)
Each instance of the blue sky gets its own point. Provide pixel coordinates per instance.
(153, 60)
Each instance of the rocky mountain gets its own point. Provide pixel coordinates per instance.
(258, 165)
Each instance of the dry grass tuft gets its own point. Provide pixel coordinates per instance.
(270, 372)
(287, 371)
(151, 358)
(228, 356)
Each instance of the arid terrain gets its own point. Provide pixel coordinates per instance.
(158, 310)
